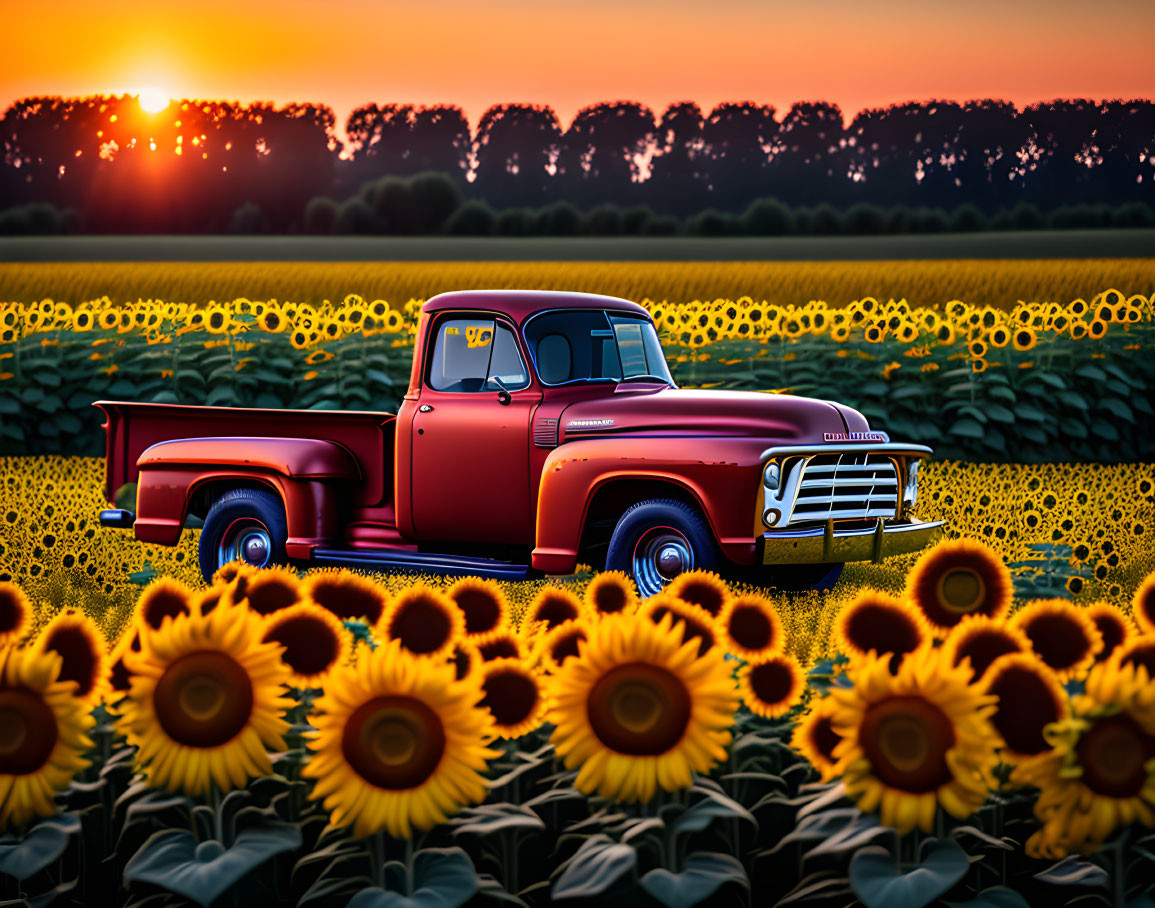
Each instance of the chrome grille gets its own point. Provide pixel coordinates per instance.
(847, 485)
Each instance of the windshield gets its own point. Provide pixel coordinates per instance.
(591, 345)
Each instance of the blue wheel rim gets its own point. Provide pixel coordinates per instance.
(248, 541)
(660, 555)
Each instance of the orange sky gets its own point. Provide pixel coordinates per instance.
(856, 53)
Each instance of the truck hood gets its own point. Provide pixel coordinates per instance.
(738, 414)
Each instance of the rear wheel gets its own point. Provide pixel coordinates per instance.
(658, 539)
(246, 525)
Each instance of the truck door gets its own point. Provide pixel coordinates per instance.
(471, 434)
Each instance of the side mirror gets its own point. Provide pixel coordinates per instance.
(503, 396)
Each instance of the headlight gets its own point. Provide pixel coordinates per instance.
(771, 476)
(910, 493)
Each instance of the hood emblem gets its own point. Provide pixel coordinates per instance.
(855, 436)
(589, 423)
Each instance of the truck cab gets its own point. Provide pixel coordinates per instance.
(539, 430)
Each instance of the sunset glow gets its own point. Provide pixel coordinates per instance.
(153, 100)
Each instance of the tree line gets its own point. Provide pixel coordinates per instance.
(100, 164)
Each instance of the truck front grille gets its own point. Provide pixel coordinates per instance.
(848, 485)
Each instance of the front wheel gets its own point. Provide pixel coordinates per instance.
(246, 525)
(658, 539)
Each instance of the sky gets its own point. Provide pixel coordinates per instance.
(344, 53)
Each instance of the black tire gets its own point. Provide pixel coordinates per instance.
(251, 520)
(818, 577)
(656, 527)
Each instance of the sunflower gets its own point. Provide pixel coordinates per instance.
(1143, 605)
(560, 643)
(1063, 635)
(204, 704)
(483, 606)
(1113, 624)
(270, 590)
(504, 644)
(914, 739)
(877, 623)
(1030, 699)
(233, 572)
(43, 734)
(399, 743)
(83, 653)
(1100, 773)
(772, 685)
(640, 707)
(424, 620)
(610, 593)
(15, 613)
(702, 588)
(1025, 339)
(119, 677)
(695, 622)
(956, 578)
(750, 628)
(349, 596)
(272, 321)
(207, 599)
(163, 600)
(979, 640)
(554, 606)
(314, 639)
(514, 696)
(815, 738)
(1139, 651)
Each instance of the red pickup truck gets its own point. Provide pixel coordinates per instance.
(540, 429)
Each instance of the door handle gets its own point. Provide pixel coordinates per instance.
(424, 408)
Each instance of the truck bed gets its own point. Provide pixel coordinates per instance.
(131, 428)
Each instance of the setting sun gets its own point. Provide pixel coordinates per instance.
(153, 100)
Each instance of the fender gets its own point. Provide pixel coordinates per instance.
(300, 470)
(721, 474)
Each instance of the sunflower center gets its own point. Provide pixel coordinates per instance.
(78, 661)
(555, 611)
(984, 648)
(204, 699)
(482, 613)
(639, 709)
(272, 595)
(11, 613)
(393, 742)
(610, 598)
(1143, 653)
(1113, 754)
(500, 648)
(1026, 705)
(567, 645)
(706, 595)
(27, 731)
(421, 626)
(164, 604)
(511, 696)
(310, 645)
(961, 590)
(884, 630)
(906, 740)
(1059, 640)
(772, 682)
(1113, 632)
(750, 628)
(824, 737)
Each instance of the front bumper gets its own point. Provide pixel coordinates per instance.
(811, 545)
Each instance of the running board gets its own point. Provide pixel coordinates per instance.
(389, 560)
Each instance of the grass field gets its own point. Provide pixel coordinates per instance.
(932, 283)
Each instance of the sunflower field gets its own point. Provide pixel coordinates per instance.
(334, 740)
(976, 382)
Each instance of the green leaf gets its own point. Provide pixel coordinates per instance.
(1117, 407)
(877, 881)
(1093, 372)
(376, 375)
(999, 413)
(705, 873)
(1103, 429)
(967, 428)
(978, 414)
(1074, 871)
(995, 897)
(595, 867)
(490, 818)
(1049, 378)
(1073, 428)
(715, 805)
(40, 846)
(173, 860)
(1028, 412)
(1072, 399)
(9, 405)
(442, 878)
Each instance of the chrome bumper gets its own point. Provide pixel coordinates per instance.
(828, 544)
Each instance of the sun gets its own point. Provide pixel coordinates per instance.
(153, 100)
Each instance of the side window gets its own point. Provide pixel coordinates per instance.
(469, 353)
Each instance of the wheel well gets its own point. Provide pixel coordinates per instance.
(204, 495)
(610, 501)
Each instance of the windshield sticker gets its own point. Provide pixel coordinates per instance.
(478, 335)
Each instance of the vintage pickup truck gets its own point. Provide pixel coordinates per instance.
(540, 429)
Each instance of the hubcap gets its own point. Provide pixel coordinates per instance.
(248, 541)
(660, 555)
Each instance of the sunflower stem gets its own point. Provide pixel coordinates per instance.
(409, 867)
(218, 823)
(377, 857)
